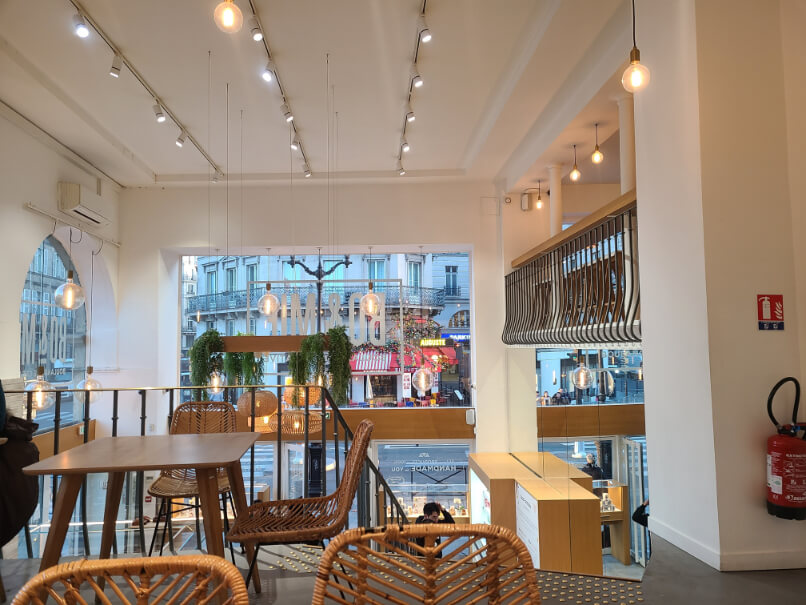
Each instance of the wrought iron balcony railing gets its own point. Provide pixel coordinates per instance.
(236, 300)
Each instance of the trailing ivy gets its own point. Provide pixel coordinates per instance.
(313, 354)
(339, 351)
(205, 358)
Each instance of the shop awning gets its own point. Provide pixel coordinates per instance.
(448, 352)
(373, 362)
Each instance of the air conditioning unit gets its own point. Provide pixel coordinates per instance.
(82, 203)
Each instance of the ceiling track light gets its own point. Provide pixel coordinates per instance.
(306, 171)
(597, 156)
(268, 71)
(295, 144)
(180, 141)
(117, 63)
(416, 79)
(158, 113)
(422, 30)
(636, 76)
(286, 111)
(254, 29)
(410, 117)
(80, 26)
(575, 174)
(400, 170)
(404, 144)
(217, 176)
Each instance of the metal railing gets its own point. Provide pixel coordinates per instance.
(583, 290)
(341, 436)
(236, 300)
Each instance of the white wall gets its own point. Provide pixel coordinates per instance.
(159, 225)
(715, 231)
(30, 169)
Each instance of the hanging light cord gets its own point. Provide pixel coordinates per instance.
(633, 24)
(92, 299)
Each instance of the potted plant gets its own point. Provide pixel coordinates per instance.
(205, 358)
(339, 352)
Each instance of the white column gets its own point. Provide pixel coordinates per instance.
(626, 130)
(555, 199)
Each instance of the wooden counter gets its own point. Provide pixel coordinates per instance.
(568, 518)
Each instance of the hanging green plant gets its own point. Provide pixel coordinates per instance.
(313, 353)
(243, 368)
(339, 352)
(205, 358)
(298, 368)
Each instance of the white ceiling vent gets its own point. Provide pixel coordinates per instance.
(82, 203)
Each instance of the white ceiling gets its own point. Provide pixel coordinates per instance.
(492, 72)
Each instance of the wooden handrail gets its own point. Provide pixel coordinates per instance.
(617, 206)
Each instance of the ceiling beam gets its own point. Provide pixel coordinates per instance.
(603, 58)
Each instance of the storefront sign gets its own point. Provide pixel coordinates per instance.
(406, 384)
(432, 342)
(770, 311)
(457, 337)
(52, 345)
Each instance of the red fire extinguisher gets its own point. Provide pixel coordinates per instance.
(786, 462)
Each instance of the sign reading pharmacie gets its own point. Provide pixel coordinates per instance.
(295, 319)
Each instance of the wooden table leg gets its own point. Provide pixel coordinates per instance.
(235, 475)
(114, 488)
(60, 521)
(208, 496)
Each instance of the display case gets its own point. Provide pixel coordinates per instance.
(614, 507)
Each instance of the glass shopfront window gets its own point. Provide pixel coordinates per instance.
(427, 472)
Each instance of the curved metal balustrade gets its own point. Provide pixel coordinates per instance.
(581, 290)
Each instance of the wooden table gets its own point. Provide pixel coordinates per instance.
(117, 455)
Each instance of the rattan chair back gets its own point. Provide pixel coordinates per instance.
(409, 564)
(199, 417)
(197, 579)
(353, 465)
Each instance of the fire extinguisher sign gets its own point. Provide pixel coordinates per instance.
(770, 311)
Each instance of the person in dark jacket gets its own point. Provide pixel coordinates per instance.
(640, 516)
(592, 468)
(431, 512)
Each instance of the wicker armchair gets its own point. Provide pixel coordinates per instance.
(193, 417)
(304, 519)
(471, 564)
(169, 580)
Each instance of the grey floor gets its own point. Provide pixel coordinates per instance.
(672, 577)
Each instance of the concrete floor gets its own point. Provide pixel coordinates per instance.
(672, 577)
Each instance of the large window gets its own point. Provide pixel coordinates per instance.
(232, 279)
(414, 274)
(376, 268)
(451, 280)
(51, 336)
(212, 281)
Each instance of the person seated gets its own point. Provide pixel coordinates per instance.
(561, 398)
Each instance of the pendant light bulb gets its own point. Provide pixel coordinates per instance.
(636, 76)
(90, 384)
(80, 26)
(539, 202)
(117, 63)
(370, 303)
(41, 399)
(268, 304)
(582, 377)
(423, 380)
(216, 382)
(228, 17)
(597, 156)
(69, 295)
(575, 173)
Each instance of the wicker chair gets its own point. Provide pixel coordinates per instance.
(472, 564)
(304, 519)
(193, 417)
(169, 580)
